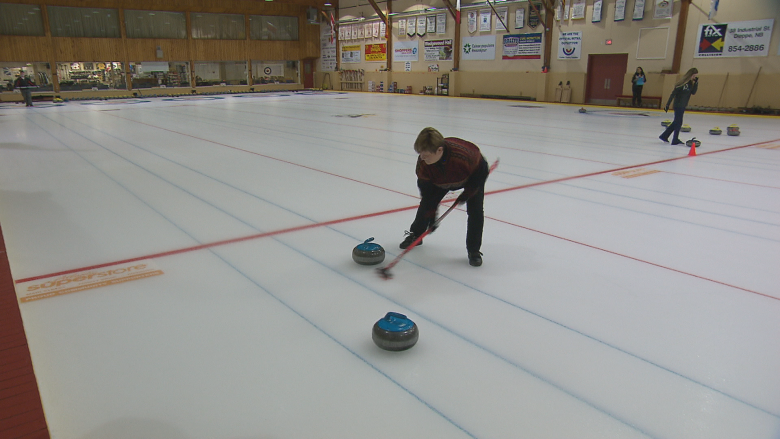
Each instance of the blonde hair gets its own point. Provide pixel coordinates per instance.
(687, 77)
(429, 140)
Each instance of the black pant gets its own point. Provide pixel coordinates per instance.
(426, 214)
(637, 100)
(27, 95)
(675, 126)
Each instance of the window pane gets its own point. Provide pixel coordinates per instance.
(275, 72)
(76, 76)
(218, 26)
(160, 74)
(39, 72)
(277, 28)
(155, 24)
(216, 73)
(20, 20)
(83, 22)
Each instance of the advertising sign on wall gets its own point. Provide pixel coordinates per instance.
(405, 51)
(569, 45)
(739, 38)
(522, 46)
(478, 48)
(376, 52)
(350, 54)
(438, 50)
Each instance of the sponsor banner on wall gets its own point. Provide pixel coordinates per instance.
(578, 10)
(485, 24)
(405, 51)
(522, 46)
(639, 9)
(739, 38)
(438, 50)
(620, 10)
(569, 45)
(376, 52)
(350, 53)
(472, 21)
(441, 23)
(478, 48)
(411, 26)
(519, 17)
(596, 11)
(328, 55)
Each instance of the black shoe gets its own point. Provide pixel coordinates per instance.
(410, 238)
(475, 259)
(662, 138)
(677, 142)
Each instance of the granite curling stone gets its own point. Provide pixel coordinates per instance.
(368, 253)
(395, 332)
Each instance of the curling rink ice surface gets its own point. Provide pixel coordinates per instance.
(184, 270)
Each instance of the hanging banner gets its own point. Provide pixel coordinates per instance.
(441, 23)
(484, 20)
(361, 32)
(431, 24)
(405, 51)
(355, 32)
(478, 48)
(519, 18)
(375, 30)
(620, 10)
(522, 46)
(533, 17)
(382, 30)
(503, 14)
(569, 45)
(713, 9)
(369, 27)
(663, 9)
(421, 26)
(401, 27)
(639, 9)
(341, 33)
(376, 52)
(438, 50)
(740, 38)
(578, 10)
(328, 55)
(472, 19)
(411, 26)
(350, 54)
(596, 11)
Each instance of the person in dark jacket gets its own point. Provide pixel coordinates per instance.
(681, 94)
(25, 85)
(637, 83)
(443, 165)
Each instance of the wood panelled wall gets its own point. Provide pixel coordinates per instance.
(59, 49)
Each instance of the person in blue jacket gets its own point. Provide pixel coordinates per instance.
(681, 94)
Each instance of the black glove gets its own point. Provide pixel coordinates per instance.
(666, 109)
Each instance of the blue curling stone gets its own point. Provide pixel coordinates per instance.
(395, 332)
(368, 253)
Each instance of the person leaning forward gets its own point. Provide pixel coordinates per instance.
(443, 165)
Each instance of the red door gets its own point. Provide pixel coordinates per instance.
(605, 78)
(308, 73)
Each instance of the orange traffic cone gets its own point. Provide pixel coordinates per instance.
(693, 143)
